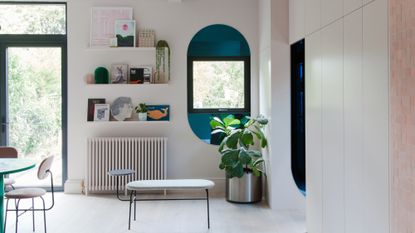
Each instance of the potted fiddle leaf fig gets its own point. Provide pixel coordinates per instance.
(141, 109)
(241, 156)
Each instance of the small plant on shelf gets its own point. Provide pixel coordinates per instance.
(141, 109)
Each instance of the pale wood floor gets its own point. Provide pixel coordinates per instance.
(105, 214)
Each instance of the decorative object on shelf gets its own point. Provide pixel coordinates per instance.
(101, 75)
(125, 33)
(90, 79)
(113, 42)
(119, 73)
(136, 76)
(242, 163)
(91, 107)
(103, 23)
(140, 74)
(158, 112)
(141, 110)
(146, 38)
(102, 112)
(162, 62)
(122, 108)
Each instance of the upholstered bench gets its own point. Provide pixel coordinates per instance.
(183, 184)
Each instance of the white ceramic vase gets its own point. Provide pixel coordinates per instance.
(142, 116)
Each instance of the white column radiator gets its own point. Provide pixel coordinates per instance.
(145, 155)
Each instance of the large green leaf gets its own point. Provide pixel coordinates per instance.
(216, 123)
(247, 138)
(217, 131)
(248, 123)
(254, 153)
(244, 157)
(262, 121)
(257, 162)
(264, 142)
(229, 122)
(261, 137)
(256, 171)
(237, 170)
(233, 138)
(222, 144)
(230, 157)
(221, 166)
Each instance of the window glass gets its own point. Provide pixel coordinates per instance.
(32, 19)
(218, 84)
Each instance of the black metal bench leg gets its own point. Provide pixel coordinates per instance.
(207, 202)
(135, 205)
(129, 212)
(33, 214)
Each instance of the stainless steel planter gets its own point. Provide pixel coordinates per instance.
(247, 189)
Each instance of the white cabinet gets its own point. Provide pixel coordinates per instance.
(312, 15)
(314, 161)
(367, 1)
(331, 10)
(332, 127)
(351, 5)
(353, 124)
(297, 21)
(376, 121)
(347, 118)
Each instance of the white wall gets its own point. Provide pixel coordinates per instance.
(275, 104)
(188, 157)
(347, 118)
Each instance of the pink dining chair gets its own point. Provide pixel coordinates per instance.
(8, 152)
(32, 193)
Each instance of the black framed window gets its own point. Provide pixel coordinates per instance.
(219, 84)
(33, 84)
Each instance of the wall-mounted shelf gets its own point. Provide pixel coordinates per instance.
(121, 49)
(132, 85)
(128, 122)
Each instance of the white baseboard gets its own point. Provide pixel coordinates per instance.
(220, 187)
(73, 187)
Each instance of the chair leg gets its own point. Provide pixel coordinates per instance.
(17, 214)
(129, 212)
(5, 217)
(135, 205)
(207, 203)
(33, 214)
(44, 213)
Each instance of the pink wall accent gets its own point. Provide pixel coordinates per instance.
(402, 110)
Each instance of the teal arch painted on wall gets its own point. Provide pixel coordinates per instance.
(216, 40)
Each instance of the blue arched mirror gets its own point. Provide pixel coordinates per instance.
(218, 78)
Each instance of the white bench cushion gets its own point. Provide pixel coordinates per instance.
(170, 184)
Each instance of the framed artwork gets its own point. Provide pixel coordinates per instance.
(103, 23)
(140, 74)
(158, 112)
(119, 73)
(125, 33)
(122, 108)
(102, 112)
(91, 107)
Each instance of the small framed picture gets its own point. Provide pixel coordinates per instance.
(119, 73)
(140, 74)
(158, 112)
(91, 107)
(102, 112)
(125, 33)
